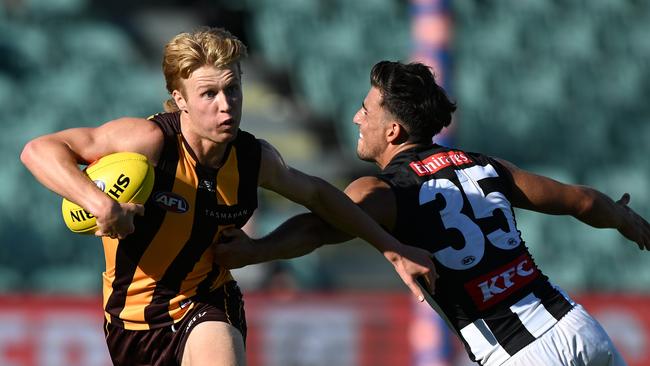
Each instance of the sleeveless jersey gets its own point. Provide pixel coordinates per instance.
(153, 274)
(456, 205)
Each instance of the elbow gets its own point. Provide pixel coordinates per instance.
(585, 202)
(29, 153)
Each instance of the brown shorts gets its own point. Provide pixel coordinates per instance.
(164, 346)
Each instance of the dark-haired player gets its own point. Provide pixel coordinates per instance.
(458, 206)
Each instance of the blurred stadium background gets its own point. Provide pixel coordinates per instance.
(557, 87)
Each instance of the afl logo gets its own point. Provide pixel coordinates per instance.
(468, 260)
(100, 184)
(171, 202)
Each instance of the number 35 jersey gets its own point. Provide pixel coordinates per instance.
(456, 205)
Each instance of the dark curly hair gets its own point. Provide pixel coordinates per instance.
(410, 93)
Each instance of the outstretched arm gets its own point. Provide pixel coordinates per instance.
(298, 236)
(542, 194)
(303, 233)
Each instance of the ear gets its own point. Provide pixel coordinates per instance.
(396, 133)
(180, 100)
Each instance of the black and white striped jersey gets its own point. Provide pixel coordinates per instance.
(456, 205)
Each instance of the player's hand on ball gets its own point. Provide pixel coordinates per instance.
(117, 220)
(234, 249)
(125, 177)
(633, 226)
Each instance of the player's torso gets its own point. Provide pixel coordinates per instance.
(152, 274)
(455, 204)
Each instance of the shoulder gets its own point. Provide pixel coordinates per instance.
(369, 188)
(136, 135)
(169, 123)
(269, 153)
(368, 184)
(376, 198)
(272, 165)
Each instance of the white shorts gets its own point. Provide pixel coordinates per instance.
(576, 340)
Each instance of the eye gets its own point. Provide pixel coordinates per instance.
(209, 94)
(232, 89)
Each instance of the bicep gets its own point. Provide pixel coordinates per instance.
(542, 194)
(125, 134)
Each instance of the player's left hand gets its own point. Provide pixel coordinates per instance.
(234, 249)
(633, 226)
(414, 265)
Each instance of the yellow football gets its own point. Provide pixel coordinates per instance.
(124, 176)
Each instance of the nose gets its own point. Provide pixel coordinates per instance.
(224, 102)
(357, 117)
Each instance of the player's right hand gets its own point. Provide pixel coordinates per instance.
(116, 220)
(633, 226)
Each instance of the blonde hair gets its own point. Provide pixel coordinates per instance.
(187, 52)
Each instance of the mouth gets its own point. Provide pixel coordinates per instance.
(228, 124)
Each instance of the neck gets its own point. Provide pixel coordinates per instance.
(392, 150)
(208, 153)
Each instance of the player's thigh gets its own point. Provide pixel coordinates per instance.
(214, 343)
(576, 340)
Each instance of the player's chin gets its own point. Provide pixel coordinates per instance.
(364, 155)
(226, 136)
(360, 149)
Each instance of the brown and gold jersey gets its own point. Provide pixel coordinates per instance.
(153, 274)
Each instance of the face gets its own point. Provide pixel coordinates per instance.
(372, 121)
(212, 102)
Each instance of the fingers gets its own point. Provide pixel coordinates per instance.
(229, 234)
(416, 290)
(643, 238)
(636, 228)
(139, 209)
(113, 235)
(428, 282)
(431, 278)
(625, 199)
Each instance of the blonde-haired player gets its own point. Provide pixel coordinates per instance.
(166, 302)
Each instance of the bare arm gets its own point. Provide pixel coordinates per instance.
(298, 236)
(323, 199)
(302, 234)
(53, 160)
(542, 194)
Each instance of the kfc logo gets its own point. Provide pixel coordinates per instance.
(489, 289)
